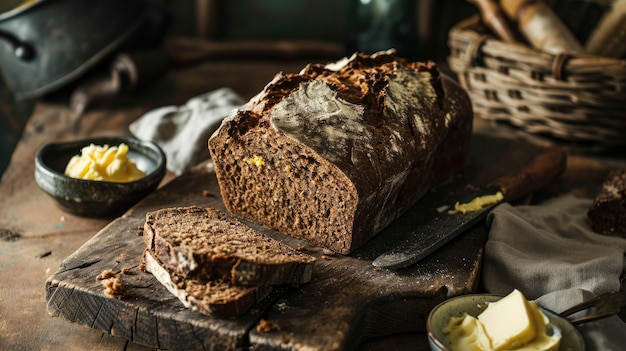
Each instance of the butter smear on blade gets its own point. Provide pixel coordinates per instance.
(512, 323)
(477, 203)
(103, 163)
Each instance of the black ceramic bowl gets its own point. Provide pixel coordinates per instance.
(95, 198)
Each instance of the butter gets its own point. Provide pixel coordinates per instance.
(476, 203)
(512, 323)
(256, 160)
(103, 163)
(509, 323)
(467, 334)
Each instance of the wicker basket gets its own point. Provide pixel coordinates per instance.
(574, 100)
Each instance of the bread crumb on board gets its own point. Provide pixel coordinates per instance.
(109, 273)
(266, 326)
(106, 274)
(114, 287)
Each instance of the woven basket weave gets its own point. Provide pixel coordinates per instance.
(575, 100)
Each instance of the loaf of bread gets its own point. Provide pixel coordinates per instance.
(607, 214)
(211, 297)
(335, 153)
(208, 244)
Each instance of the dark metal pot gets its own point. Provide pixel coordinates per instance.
(45, 44)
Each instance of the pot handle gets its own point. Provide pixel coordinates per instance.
(24, 51)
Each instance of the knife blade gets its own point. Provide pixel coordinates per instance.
(433, 233)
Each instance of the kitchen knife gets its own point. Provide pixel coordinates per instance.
(430, 235)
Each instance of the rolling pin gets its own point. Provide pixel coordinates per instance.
(609, 37)
(541, 26)
(493, 17)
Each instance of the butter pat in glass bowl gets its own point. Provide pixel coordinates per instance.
(98, 198)
(474, 304)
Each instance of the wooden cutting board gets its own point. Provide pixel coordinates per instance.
(346, 302)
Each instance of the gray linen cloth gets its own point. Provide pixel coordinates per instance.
(549, 252)
(183, 131)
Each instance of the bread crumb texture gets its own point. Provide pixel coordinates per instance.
(211, 297)
(206, 243)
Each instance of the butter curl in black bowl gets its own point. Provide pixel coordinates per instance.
(99, 196)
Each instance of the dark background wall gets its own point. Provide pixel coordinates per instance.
(418, 27)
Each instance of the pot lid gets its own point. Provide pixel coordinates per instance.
(67, 37)
(9, 8)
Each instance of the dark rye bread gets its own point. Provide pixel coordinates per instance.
(335, 153)
(213, 297)
(607, 214)
(208, 244)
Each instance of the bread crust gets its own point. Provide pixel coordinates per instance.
(335, 153)
(607, 214)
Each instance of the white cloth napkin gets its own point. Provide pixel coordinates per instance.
(183, 131)
(549, 252)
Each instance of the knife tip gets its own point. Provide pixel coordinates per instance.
(390, 261)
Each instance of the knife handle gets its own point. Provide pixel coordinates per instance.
(541, 170)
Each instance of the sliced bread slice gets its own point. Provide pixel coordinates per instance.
(213, 297)
(207, 244)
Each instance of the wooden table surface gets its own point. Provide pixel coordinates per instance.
(35, 235)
